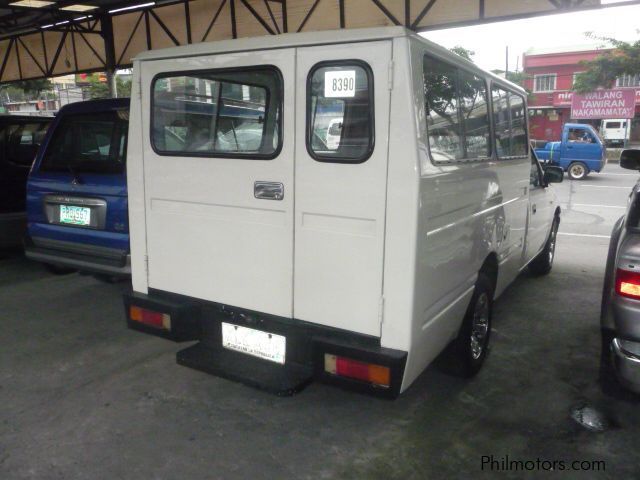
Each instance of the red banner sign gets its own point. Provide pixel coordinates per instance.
(604, 104)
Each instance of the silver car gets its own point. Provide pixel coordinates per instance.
(620, 313)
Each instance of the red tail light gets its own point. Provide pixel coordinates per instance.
(628, 284)
(149, 317)
(367, 372)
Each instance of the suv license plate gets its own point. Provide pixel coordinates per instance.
(73, 215)
(267, 346)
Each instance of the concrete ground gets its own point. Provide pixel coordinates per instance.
(82, 397)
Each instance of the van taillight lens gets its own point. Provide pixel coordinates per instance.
(628, 284)
(150, 318)
(367, 372)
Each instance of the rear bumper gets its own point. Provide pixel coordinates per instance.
(306, 343)
(626, 358)
(12, 229)
(80, 256)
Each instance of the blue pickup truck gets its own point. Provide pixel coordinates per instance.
(580, 152)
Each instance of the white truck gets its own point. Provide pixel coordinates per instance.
(356, 263)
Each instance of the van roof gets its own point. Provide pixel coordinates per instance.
(283, 40)
(326, 37)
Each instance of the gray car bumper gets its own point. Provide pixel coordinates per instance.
(82, 257)
(626, 358)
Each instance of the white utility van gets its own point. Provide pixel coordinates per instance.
(357, 264)
(615, 131)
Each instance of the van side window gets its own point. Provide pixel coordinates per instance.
(340, 122)
(457, 112)
(87, 143)
(225, 113)
(509, 115)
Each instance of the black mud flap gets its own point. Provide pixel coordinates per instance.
(281, 380)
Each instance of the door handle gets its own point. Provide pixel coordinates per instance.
(533, 207)
(268, 190)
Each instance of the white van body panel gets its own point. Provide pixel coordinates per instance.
(199, 210)
(390, 248)
(136, 191)
(340, 210)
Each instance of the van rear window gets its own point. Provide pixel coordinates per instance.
(88, 143)
(613, 125)
(340, 112)
(224, 113)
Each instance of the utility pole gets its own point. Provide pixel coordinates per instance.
(107, 36)
(506, 61)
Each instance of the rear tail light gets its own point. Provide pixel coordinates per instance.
(367, 372)
(628, 284)
(150, 318)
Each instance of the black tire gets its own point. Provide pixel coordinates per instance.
(467, 353)
(58, 270)
(542, 264)
(578, 171)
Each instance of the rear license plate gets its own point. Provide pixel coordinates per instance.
(267, 346)
(73, 215)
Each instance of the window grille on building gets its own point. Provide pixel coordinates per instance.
(545, 83)
(628, 80)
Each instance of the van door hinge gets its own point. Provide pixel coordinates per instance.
(390, 84)
(139, 89)
(381, 310)
(146, 265)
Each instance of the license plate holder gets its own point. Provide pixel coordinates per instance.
(257, 343)
(75, 215)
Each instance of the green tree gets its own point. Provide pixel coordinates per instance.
(463, 52)
(623, 59)
(25, 90)
(99, 89)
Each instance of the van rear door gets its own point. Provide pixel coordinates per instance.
(219, 178)
(341, 184)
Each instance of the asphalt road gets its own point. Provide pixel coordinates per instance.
(83, 397)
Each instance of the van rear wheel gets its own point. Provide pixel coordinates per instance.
(467, 353)
(577, 171)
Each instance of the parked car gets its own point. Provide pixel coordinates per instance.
(77, 192)
(356, 265)
(334, 133)
(620, 313)
(20, 137)
(615, 131)
(579, 152)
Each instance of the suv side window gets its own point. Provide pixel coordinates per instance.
(23, 141)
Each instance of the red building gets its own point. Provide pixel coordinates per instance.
(550, 76)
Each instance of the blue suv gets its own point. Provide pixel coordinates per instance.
(77, 191)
